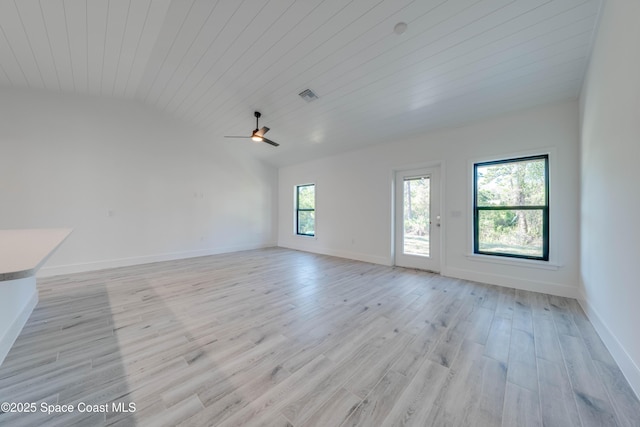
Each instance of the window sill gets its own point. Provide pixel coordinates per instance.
(528, 263)
(304, 236)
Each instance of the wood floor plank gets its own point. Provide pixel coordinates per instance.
(522, 314)
(474, 391)
(546, 339)
(521, 407)
(286, 338)
(208, 380)
(556, 395)
(334, 349)
(273, 402)
(449, 344)
(376, 363)
(304, 405)
(522, 360)
(175, 414)
(540, 305)
(499, 339)
(492, 391)
(410, 361)
(230, 398)
(479, 325)
(592, 399)
(335, 411)
(376, 405)
(490, 300)
(624, 400)
(594, 344)
(506, 303)
(413, 405)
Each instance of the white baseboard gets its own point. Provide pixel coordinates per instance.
(10, 336)
(629, 369)
(512, 282)
(493, 279)
(57, 270)
(341, 254)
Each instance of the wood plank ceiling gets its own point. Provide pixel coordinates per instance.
(213, 62)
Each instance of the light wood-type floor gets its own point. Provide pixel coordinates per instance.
(283, 338)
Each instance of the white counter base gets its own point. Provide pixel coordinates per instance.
(22, 253)
(19, 298)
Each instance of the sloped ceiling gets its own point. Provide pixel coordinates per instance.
(213, 63)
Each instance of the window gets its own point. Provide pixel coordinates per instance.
(306, 210)
(511, 208)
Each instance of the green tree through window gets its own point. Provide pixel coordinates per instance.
(511, 208)
(306, 210)
(417, 192)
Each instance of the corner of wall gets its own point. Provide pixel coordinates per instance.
(629, 369)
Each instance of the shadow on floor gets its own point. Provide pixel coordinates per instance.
(66, 363)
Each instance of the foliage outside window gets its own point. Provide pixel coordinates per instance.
(417, 193)
(306, 210)
(511, 208)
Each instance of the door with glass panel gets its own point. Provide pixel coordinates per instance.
(417, 219)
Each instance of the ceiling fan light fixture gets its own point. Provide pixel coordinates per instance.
(258, 133)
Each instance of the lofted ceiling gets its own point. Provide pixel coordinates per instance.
(213, 62)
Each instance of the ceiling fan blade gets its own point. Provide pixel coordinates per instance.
(262, 131)
(237, 136)
(268, 141)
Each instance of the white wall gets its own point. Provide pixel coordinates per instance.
(354, 200)
(610, 199)
(67, 161)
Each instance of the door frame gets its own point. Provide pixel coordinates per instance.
(442, 198)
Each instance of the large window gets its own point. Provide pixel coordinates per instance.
(306, 210)
(511, 208)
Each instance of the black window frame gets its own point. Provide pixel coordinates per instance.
(298, 210)
(544, 208)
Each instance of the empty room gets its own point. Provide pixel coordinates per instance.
(319, 213)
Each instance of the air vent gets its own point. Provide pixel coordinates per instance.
(308, 95)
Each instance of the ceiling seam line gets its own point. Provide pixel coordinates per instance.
(173, 42)
(124, 32)
(24, 29)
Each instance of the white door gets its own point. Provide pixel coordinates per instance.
(417, 218)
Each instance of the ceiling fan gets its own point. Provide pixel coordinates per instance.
(258, 133)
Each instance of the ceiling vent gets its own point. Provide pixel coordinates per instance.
(308, 95)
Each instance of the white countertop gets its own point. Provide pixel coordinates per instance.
(23, 252)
